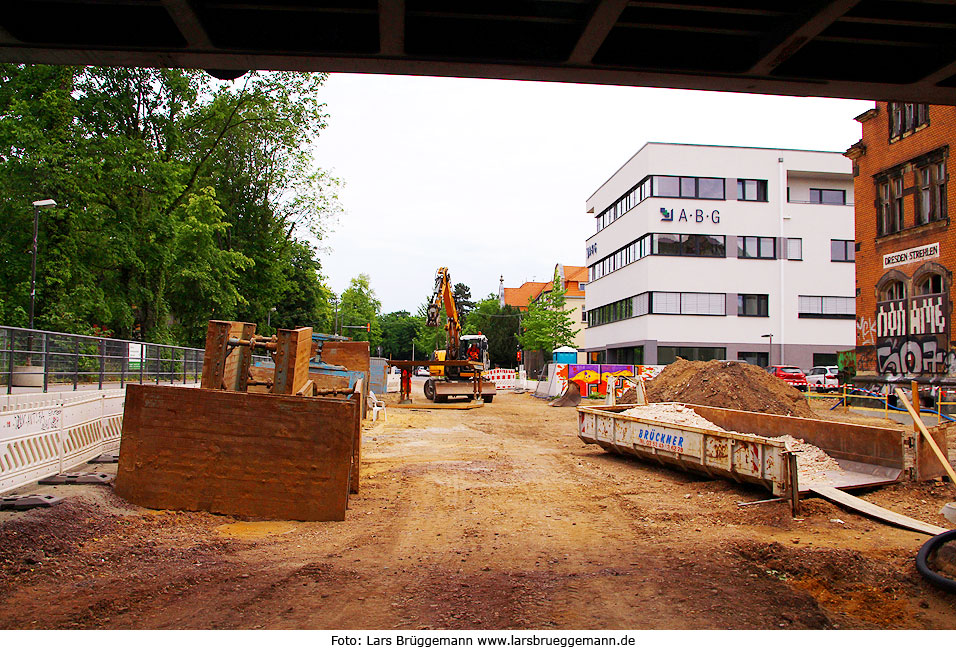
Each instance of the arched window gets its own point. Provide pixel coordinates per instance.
(892, 290)
(929, 284)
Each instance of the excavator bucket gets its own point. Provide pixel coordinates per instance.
(570, 398)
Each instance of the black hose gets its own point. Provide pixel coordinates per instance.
(932, 576)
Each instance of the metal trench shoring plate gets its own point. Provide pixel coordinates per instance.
(79, 478)
(105, 458)
(22, 502)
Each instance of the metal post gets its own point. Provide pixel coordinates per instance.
(33, 265)
(123, 364)
(142, 362)
(102, 349)
(794, 483)
(76, 361)
(184, 366)
(10, 338)
(159, 357)
(46, 361)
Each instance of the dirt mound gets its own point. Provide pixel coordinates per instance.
(734, 385)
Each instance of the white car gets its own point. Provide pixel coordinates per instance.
(422, 371)
(824, 379)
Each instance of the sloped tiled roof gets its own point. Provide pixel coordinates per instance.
(520, 297)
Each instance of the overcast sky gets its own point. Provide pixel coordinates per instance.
(489, 178)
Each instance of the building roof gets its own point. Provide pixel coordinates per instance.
(520, 297)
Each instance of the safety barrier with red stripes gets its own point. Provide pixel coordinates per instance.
(503, 378)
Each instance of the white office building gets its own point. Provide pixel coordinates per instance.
(706, 252)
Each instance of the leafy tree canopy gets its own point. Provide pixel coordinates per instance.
(547, 324)
(180, 198)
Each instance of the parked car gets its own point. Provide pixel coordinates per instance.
(824, 379)
(422, 371)
(789, 374)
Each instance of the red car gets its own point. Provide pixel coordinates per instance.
(789, 374)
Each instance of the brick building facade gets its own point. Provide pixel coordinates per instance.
(905, 250)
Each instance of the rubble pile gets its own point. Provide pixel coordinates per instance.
(733, 385)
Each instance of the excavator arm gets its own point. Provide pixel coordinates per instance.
(443, 295)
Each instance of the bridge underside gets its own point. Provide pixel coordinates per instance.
(865, 49)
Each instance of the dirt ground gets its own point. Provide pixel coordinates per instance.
(492, 518)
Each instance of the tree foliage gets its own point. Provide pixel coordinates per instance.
(180, 199)
(547, 324)
(500, 326)
(360, 307)
(399, 330)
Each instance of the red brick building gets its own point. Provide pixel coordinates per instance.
(905, 250)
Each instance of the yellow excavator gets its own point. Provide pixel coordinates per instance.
(448, 381)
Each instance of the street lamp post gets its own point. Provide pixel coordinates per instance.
(37, 205)
(269, 318)
(769, 349)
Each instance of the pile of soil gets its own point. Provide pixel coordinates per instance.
(733, 385)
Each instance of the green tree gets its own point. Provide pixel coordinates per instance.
(500, 326)
(358, 307)
(547, 324)
(180, 198)
(399, 330)
(461, 293)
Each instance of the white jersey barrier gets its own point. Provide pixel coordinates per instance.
(42, 436)
(503, 378)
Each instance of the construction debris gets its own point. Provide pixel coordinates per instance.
(733, 385)
(812, 462)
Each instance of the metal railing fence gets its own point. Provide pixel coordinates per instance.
(40, 359)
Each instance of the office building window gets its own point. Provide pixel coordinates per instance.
(842, 251)
(906, 117)
(752, 190)
(660, 303)
(688, 187)
(826, 307)
(753, 305)
(794, 248)
(662, 186)
(669, 354)
(759, 358)
(749, 246)
(825, 196)
(660, 244)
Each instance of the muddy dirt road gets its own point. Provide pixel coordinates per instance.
(491, 518)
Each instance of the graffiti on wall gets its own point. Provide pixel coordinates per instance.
(913, 339)
(866, 331)
(911, 355)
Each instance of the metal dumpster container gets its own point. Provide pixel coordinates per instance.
(744, 458)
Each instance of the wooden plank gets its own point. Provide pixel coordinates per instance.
(874, 511)
(929, 439)
(257, 455)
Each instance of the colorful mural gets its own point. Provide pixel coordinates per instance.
(593, 377)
